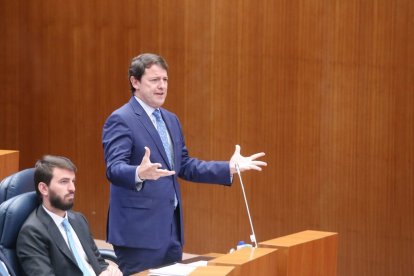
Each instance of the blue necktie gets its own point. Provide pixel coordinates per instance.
(3, 269)
(68, 230)
(162, 131)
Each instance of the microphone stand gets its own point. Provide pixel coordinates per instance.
(253, 235)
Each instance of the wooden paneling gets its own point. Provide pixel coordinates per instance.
(9, 163)
(325, 88)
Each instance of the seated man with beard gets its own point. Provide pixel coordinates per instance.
(55, 240)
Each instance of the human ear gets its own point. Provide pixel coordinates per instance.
(134, 82)
(43, 188)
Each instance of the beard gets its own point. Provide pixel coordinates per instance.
(58, 203)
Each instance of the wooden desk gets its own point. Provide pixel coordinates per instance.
(196, 258)
(249, 261)
(310, 253)
(9, 163)
(203, 271)
(214, 271)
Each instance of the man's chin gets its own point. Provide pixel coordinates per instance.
(70, 203)
(67, 206)
(63, 205)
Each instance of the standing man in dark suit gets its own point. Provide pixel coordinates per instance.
(55, 240)
(145, 153)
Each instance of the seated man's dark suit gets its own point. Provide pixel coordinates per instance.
(42, 250)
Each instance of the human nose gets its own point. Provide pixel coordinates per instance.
(162, 83)
(71, 186)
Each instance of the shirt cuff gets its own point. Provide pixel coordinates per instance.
(137, 179)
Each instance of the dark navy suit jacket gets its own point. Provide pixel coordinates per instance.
(142, 219)
(42, 250)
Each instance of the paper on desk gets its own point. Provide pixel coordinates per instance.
(177, 269)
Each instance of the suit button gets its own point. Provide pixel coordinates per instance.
(172, 201)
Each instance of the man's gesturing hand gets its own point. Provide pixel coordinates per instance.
(151, 171)
(246, 163)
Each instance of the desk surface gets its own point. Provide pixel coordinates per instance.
(246, 261)
(192, 259)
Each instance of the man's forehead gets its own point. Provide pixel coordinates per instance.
(155, 70)
(62, 173)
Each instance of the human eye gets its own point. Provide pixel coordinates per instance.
(64, 181)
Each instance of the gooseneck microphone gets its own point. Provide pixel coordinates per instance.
(253, 235)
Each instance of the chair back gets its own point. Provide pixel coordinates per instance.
(16, 184)
(13, 213)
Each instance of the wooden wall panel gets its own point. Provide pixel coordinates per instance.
(325, 88)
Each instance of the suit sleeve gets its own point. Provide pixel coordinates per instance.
(118, 143)
(193, 169)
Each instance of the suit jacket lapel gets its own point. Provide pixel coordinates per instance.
(55, 234)
(83, 238)
(149, 126)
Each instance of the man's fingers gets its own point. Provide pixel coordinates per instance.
(147, 152)
(237, 150)
(155, 166)
(257, 168)
(250, 167)
(158, 173)
(259, 163)
(162, 172)
(257, 155)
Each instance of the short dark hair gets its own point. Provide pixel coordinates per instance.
(44, 169)
(142, 62)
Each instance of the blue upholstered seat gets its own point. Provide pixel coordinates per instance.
(17, 184)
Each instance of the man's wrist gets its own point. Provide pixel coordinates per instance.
(138, 181)
(137, 178)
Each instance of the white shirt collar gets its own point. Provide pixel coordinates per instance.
(148, 109)
(57, 219)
